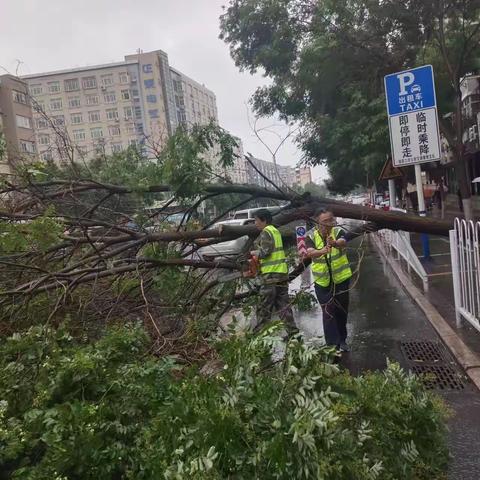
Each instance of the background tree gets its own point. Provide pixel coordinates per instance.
(327, 60)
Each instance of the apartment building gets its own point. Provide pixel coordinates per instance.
(279, 174)
(16, 122)
(106, 108)
(303, 176)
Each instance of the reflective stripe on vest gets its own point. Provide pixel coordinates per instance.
(339, 265)
(276, 261)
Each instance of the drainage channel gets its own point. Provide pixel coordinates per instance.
(432, 362)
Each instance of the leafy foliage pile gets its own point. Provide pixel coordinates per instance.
(110, 410)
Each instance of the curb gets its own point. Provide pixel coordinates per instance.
(468, 359)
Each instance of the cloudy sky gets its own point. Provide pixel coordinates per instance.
(47, 35)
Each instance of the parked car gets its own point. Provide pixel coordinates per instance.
(230, 248)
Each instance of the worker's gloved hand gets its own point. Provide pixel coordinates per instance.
(254, 253)
(331, 242)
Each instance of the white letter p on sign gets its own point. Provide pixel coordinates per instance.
(405, 79)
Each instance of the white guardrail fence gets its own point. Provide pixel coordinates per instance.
(465, 252)
(399, 242)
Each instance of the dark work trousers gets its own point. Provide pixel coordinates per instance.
(274, 297)
(334, 302)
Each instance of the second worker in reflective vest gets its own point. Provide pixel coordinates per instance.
(331, 272)
(273, 274)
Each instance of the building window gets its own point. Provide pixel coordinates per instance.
(96, 133)
(27, 147)
(19, 97)
(89, 82)
(116, 147)
(132, 143)
(79, 135)
(112, 114)
(56, 104)
(135, 93)
(151, 98)
(92, 99)
(123, 76)
(93, 117)
(110, 97)
(36, 89)
(76, 118)
(47, 156)
(128, 113)
(138, 113)
(153, 113)
(114, 131)
(71, 85)
(53, 87)
(74, 102)
(58, 120)
(125, 94)
(23, 122)
(107, 80)
(41, 123)
(149, 83)
(130, 129)
(44, 139)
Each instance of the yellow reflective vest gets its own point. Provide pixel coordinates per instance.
(276, 261)
(335, 262)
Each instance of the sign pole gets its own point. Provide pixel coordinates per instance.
(422, 211)
(392, 193)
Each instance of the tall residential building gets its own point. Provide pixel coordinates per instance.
(303, 176)
(280, 175)
(16, 124)
(106, 108)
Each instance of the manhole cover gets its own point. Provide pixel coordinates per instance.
(439, 377)
(423, 352)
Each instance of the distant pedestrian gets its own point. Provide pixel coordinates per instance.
(331, 271)
(460, 202)
(274, 274)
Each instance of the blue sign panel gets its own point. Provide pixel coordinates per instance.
(410, 90)
(301, 231)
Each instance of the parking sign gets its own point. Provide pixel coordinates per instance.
(412, 116)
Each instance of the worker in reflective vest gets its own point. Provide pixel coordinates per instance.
(331, 271)
(273, 274)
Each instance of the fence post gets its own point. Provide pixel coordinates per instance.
(455, 275)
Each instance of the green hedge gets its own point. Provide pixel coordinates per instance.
(110, 410)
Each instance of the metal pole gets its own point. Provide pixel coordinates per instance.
(422, 211)
(392, 193)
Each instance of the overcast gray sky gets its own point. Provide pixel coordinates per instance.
(55, 34)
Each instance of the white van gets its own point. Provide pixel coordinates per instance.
(249, 213)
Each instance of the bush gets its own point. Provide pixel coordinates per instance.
(110, 410)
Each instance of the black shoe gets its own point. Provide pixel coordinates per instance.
(343, 347)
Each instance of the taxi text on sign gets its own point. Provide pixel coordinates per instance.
(412, 116)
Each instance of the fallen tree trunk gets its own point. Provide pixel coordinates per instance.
(304, 205)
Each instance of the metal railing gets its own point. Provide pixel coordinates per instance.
(465, 252)
(399, 242)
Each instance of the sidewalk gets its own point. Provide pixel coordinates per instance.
(383, 321)
(440, 293)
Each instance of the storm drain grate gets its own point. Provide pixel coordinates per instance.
(423, 352)
(440, 377)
